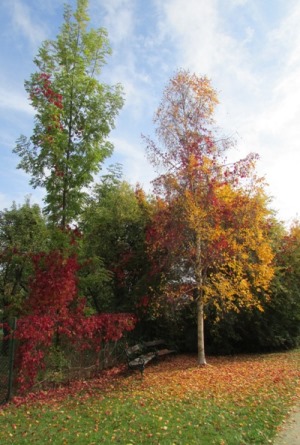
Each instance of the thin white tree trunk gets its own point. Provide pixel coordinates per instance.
(200, 305)
(200, 328)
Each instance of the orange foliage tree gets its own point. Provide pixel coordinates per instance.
(207, 238)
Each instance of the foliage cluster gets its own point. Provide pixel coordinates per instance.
(55, 311)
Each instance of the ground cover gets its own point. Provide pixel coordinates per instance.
(232, 401)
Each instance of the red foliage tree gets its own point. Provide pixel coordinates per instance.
(54, 283)
(56, 311)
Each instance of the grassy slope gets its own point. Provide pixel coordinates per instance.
(232, 401)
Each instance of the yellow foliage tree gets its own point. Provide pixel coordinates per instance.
(208, 235)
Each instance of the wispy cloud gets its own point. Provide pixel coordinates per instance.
(118, 18)
(16, 101)
(24, 24)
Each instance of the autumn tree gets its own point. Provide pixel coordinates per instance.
(74, 113)
(56, 312)
(277, 327)
(207, 238)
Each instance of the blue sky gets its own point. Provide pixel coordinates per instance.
(250, 49)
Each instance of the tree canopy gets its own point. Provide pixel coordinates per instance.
(208, 231)
(74, 114)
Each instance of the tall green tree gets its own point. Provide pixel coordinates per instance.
(74, 114)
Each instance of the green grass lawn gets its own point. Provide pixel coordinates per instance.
(232, 401)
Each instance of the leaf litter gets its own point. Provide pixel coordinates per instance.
(238, 400)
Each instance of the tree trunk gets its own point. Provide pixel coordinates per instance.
(200, 305)
(200, 329)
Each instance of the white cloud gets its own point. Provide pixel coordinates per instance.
(272, 127)
(119, 19)
(25, 24)
(135, 85)
(191, 25)
(238, 2)
(125, 66)
(205, 46)
(197, 31)
(16, 101)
